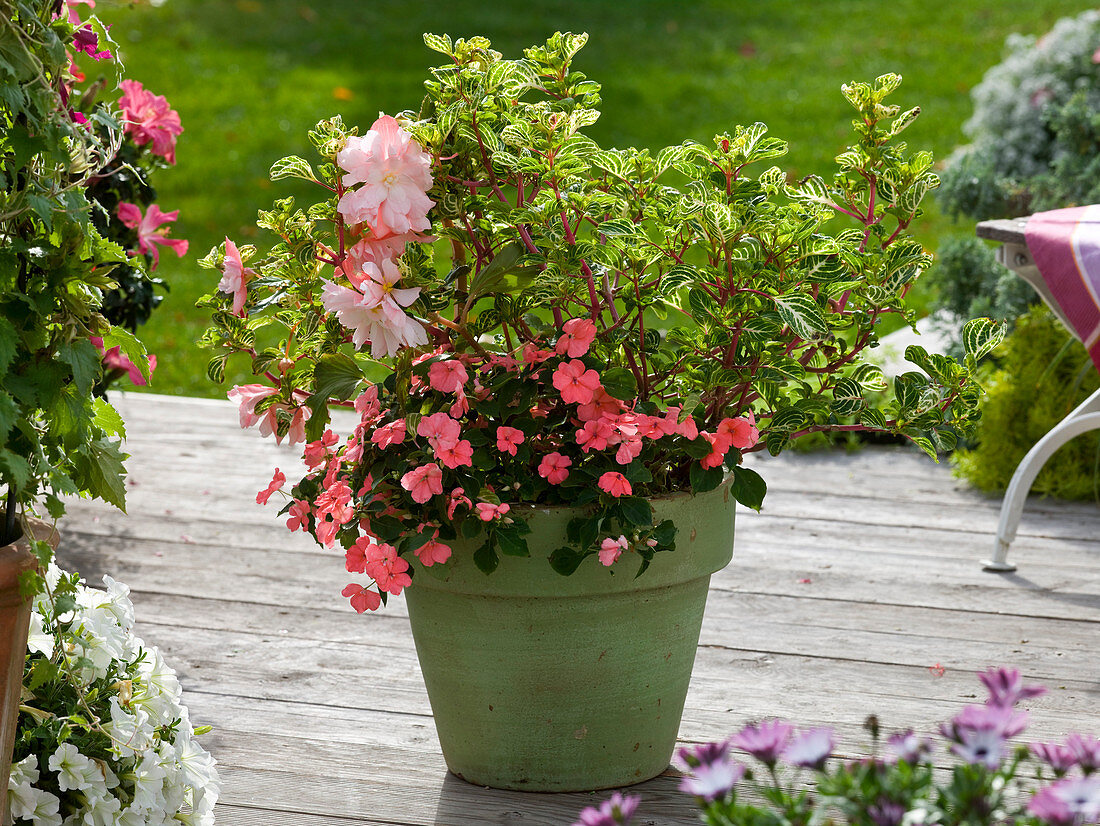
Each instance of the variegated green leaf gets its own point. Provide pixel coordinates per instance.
(803, 315)
(981, 335)
(847, 398)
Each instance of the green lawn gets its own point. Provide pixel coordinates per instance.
(249, 77)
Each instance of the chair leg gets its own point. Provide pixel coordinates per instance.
(1081, 420)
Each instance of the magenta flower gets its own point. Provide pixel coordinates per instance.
(616, 811)
(979, 733)
(150, 230)
(1006, 686)
(148, 118)
(1058, 757)
(1068, 801)
(87, 41)
(765, 741)
(710, 770)
(1086, 750)
(395, 174)
(810, 748)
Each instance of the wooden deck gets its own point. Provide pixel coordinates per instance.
(858, 583)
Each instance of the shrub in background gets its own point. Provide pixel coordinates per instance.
(1044, 373)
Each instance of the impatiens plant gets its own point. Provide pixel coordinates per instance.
(102, 735)
(794, 778)
(521, 318)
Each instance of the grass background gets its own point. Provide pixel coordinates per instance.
(249, 78)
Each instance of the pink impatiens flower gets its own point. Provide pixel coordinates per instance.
(457, 497)
(440, 430)
(577, 336)
(575, 382)
(740, 433)
(615, 483)
(553, 466)
(386, 568)
(150, 230)
(394, 172)
(612, 549)
(423, 482)
(74, 14)
(149, 119)
(235, 278)
(389, 434)
(276, 483)
(433, 551)
(508, 439)
(447, 376)
(459, 453)
(361, 598)
(299, 515)
(487, 511)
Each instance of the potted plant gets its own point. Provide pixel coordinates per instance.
(794, 777)
(558, 354)
(58, 438)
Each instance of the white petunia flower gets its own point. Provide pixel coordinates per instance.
(73, 769)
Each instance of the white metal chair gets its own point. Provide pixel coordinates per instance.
(1085, 417)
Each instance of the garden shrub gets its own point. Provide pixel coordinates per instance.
(1044, 373)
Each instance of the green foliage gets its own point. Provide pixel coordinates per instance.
(55, 267)
(1043, 374)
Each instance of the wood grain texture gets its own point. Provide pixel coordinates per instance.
(859, 577)
(1005, 230)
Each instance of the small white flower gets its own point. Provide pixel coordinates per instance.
(73, 769)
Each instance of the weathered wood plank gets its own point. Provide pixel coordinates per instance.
(1005, 230)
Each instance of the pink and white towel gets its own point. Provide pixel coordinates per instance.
(1065, 245)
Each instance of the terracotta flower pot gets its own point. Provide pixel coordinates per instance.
(15, 616)
(548, 683)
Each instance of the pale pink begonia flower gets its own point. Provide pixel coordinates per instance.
(433, 551)
(577, 336)
(235, 277)
(149, 119)
(276, 483)
(151, 231)
(246, 396)
(373, 251)
(395, 173)
(612, 549)
(448, 376)
(615, 483)
(299, 515)
(362, 599)
(423, 482)
(508, 439)
(553, 468)
(575, 382)
(389, 434)
(487, 511)
(377, 318)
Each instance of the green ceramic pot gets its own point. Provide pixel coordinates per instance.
(549, 683)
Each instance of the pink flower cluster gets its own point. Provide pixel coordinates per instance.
(148, 118)
(247, 396)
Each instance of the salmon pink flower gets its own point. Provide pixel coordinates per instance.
(386, 568)
(611, 550)
(447, 376)
(487, 511)
(395, 174)
(150, 230)
(316, 453)
(74, 15)
(389, 434)
(615, 483)
(423, 482)
(740, 433)
(602, 404)
(717, 454)
(575, 382)
(595, 435)
(361, 598)
(533, 355)
(577, 336)
(148, 118)
(276, 483)
(299, 515)
(296, 432)
(508, 439)
(462, 404)
(553, 466)
(433, 551)
(440, 430)
(366, 403)
(457, 497)
(355, 557)
(235, 277)
(460, 453)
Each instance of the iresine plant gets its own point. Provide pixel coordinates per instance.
(771, 773)
(522, 318)
(102, 736)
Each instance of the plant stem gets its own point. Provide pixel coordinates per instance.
(10, 532)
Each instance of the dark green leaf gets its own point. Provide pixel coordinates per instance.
(486, 558)
(336, 376)
(566, 560)
(748, 487)
(704, 480)
(636, 511)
